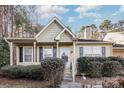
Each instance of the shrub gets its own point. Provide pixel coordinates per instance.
(119, 59)
(93, 66)
(82, 65)
(53, 69)
(110, 68)
(34, 72)
(15, 72)
(4, 53)
(95, 69)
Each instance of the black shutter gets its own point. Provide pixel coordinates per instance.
(20, 54)
(103, 51)
(54, 52)
(81, 51)
(40, 53)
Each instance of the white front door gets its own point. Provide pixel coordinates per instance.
(65, 55)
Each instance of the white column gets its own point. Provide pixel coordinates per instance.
(35, 52)
(11, 53)
(73, 63)
(17, 55)
(57, 49)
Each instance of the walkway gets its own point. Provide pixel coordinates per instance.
(67, 80)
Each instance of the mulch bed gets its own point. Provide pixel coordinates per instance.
(22, 83)
(98, 81)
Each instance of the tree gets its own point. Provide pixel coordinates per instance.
(14, 17)
(4, 53)
(121, 25)
(105, 25)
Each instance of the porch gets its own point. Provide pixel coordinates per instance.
(29, 52)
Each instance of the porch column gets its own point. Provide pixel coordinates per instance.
(73, 63)
(57, 49)
(11, 53)
(17, 55)
(35, 52)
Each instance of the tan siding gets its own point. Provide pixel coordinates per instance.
(50, 33)
(118, 52)
(66, 37)
(108, 49)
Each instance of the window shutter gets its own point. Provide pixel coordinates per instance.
(40, 53)
(81, 51)
(20, 54)
(103, 51)
(54, 52)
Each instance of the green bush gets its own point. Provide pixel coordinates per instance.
(53, 69)
(4, 53)
(15, 72)
(111, 68)
(95, 69)
(93, 66)
(84, 63)
(119, 59)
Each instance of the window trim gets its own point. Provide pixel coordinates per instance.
(24, 53)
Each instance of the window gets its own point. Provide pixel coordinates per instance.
(103, 51)
(81, 51)
(28, 54)
(54, 52)
(47, 52)
(92, 51)
(20, 54)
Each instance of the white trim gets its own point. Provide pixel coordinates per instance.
(54, 18)
(24, 53)
(74, 62)
(29, 63)
(38, 54)
(58, 36)
(35, 52)
(17, 55)
(11, 53)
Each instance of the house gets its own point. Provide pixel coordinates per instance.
(118, 50)
(118, 43)
(55, 40)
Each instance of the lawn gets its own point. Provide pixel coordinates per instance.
(22, 83)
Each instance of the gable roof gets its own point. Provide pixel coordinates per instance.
(51, 21)
(70, 32)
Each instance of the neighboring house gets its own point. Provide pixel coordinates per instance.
(118, 50)
(55, 40)
(117, 38)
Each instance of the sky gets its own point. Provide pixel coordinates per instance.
(76, 16)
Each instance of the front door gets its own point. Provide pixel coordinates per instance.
(65, 55)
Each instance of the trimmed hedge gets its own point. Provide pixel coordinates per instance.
(119, 59)
(96, 66)
(53, 69)
(16, 72)
(95, 70)
(111, 68)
